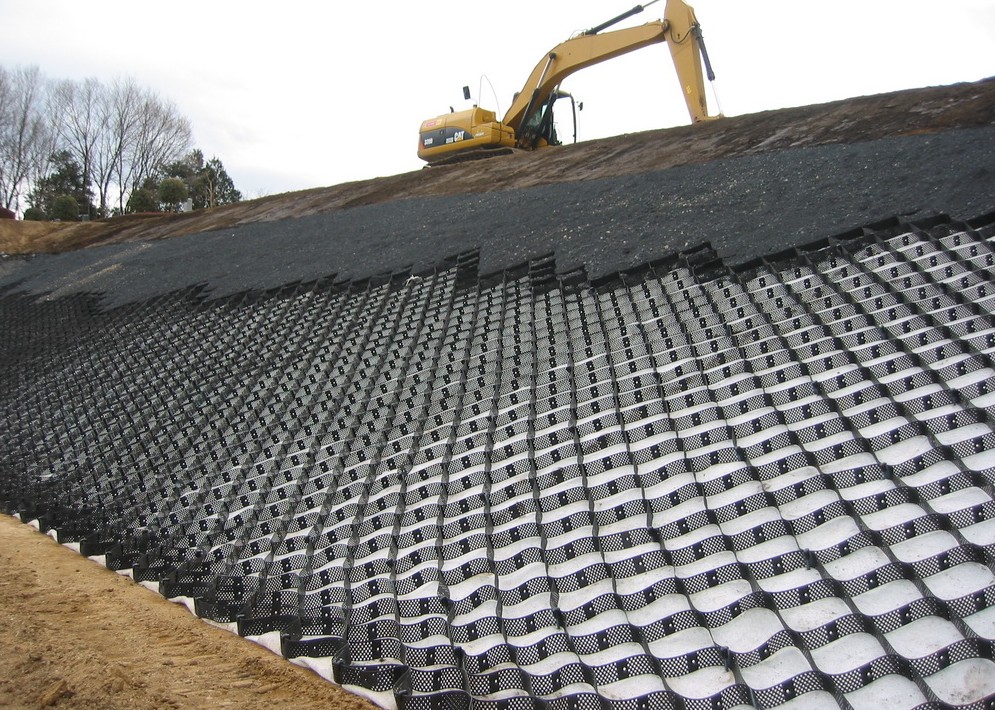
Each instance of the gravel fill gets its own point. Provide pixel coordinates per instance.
(744, 207)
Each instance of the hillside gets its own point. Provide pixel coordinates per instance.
(173, 345)
(905, 113)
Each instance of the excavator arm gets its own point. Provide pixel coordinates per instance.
(679, 28)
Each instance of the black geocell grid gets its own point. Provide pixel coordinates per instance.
(689, 486)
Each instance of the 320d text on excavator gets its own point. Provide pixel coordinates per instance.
(528, 125)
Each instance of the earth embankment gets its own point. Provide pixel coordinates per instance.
(905, 113)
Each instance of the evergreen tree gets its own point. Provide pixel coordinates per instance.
(209, 184)
(65, 208)
(65, 179)
(219, 188)
(173, 192)
(144, 199)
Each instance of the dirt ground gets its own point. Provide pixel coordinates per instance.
(76, 635)
(918, 111)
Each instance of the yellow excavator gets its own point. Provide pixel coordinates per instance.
(476, 133)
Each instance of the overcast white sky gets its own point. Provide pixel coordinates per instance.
(305, 94)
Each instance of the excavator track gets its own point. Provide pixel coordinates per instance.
(480, 154)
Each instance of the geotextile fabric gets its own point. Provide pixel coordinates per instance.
(687, 484)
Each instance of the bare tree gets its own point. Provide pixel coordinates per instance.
(6, 102)
(121, 135)
(24, 133)
(162, 136)
(119, 108)
(79, 120)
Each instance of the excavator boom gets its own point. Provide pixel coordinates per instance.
(593, 47)
(522, 126)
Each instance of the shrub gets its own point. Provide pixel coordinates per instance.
(65, 208)
(143, 200)
(173, 191)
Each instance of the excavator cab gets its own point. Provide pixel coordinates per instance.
(539, 129)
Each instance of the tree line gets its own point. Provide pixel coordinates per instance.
(83, 148)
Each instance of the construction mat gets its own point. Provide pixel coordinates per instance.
(684, 486)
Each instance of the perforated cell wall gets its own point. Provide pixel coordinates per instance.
(690, 486)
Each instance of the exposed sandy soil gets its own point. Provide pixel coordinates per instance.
(76, 635)
(866, 118)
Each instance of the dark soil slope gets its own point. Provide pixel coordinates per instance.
(752, 185)
(907, 113)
